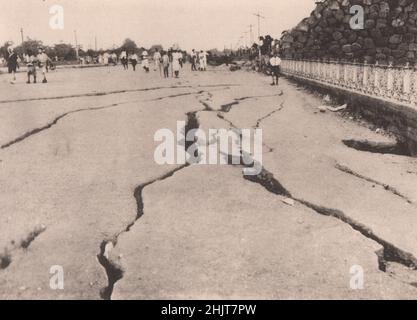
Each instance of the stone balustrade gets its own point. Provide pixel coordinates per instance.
(396, 84)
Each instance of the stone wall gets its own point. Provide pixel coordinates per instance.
(389, 33)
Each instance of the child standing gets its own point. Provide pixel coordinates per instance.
(31, 66)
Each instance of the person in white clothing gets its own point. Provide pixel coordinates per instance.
(176, 66)
(275, 63)
(145, 61)
(203, 60)
(43, 59)
(157, 60)
(124, 60)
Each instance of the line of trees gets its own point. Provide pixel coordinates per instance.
(63, 51)
(67, 52)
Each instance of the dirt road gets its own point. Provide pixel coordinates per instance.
(80, 189)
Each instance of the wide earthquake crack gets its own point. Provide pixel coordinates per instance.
(388, 253)
(396, 148)
(114, 271)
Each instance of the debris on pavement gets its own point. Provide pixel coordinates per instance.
(337, 109)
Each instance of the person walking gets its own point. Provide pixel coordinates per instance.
(176, 66)
(12, 63)
(145, 61)
(43, 60)
(203, 60)
(165, 64)
(123, 59)
(193, 60)
(134, 60)
(157, 61)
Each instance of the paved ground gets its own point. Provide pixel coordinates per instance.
(80, 189)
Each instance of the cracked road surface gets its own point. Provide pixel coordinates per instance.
(80, 189)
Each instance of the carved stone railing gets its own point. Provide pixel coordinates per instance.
(396, 84)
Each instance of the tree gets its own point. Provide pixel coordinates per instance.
(65, 52)
(91, 53)
(129, 45)
(3, 50)
(29, 45)
(155, 47)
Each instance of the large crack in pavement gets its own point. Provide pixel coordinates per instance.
(397, 148)
(228, 106)
(61, 116)
(387, 187)
(105, 93)
(93, 94)
(259, 121)
(54, 122)
(114, 271)
(389, 252)
(24, 243)
(176, 95)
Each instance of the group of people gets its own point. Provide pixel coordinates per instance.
(164, 61)
(198, 60)
(169, 63)
(33, 61)
(173, 58)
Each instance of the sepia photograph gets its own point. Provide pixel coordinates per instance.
(208, 150)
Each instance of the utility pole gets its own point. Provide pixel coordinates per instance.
(76, 43)
(259, 22)
(246, 38)
(251, 34)
(21, 33)
(95, 43)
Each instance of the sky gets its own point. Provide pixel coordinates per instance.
(199, 24)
